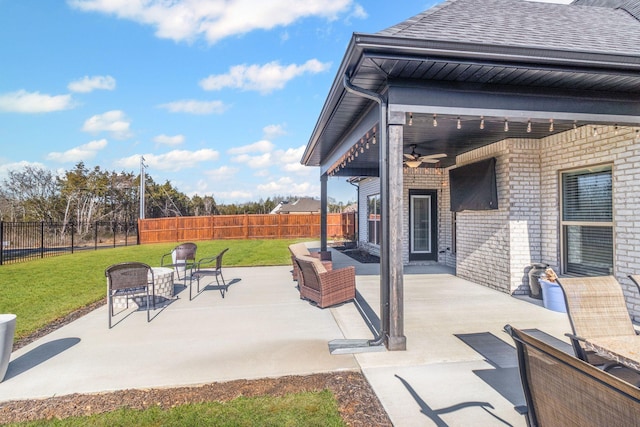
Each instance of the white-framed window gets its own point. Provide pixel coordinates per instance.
(587, 221)
(373, 219)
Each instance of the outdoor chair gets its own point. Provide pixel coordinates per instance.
(211, 266)
(562, 390)
(182, 257)
(127, 279)
(325, 287)
(596, 308)
(300, 249)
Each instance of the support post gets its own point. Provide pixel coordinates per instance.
(396, 339)
(323, 213)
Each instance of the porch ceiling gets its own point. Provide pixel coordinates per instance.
(570, 88)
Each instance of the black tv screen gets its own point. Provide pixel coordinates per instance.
(473, 187)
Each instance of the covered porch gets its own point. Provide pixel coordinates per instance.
(428, 85)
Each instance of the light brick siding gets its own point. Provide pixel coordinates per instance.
(429, 179)
(368, 187)
(580, 149)
(424, 179)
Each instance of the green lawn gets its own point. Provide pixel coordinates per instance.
(295, 409)
(44, 290)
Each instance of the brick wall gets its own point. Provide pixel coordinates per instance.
(368, 187)
(580, 149)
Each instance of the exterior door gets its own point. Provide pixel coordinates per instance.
(423, 239)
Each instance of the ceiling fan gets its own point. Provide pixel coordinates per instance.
(413, 159)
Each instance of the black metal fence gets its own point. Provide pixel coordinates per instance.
(23, 241)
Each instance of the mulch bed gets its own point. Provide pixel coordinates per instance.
(359, 255)
(358, 404)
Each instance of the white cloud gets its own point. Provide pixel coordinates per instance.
(262, 146)
(114, 122)
(254, 162)
(80, 153)
(89, 84)
(18, 166)
(222, 173)
(192, 106)
(262, 78)
(213, 20)
(22, 101)
(169, 140)
(233, 196)
(287, 185)
(175, 160)
(359, 12)
(273, 131)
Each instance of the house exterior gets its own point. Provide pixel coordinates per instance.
(545, 97)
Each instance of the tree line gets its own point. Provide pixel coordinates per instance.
(82, 196)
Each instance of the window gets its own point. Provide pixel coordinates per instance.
(587, 221)
(373, 218)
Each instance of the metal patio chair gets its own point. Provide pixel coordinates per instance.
(182, 257)
(128, 279)
(211, 266)
(562, 390)
(596, 308)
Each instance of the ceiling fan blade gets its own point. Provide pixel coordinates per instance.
(434, 156)
(409, 156)
(429, 160)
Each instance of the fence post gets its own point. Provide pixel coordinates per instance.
(73, 231)
(246, 226)
(41, 239)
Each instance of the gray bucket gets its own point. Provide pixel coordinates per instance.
(7, 330)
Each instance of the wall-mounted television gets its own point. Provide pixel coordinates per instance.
(473, 186)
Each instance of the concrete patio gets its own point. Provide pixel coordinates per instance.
(458, 369)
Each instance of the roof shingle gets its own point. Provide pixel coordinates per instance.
(525, 24)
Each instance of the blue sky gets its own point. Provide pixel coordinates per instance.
(220, 97)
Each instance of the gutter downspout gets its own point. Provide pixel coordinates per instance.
(384, 214)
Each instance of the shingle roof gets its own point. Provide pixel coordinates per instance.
(302, 205)
(526, 24)
(631, 6)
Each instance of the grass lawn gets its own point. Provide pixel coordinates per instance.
(296, 409)
(44, 290)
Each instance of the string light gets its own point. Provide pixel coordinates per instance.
(367, 145)
(481, 122)
(575, 128)
(459, 125)
(550, 125)
(529, 126)
(373, 140)
(615, 129)
(435, 121)
(506, 125)
(637, 135)
(595, 131)
(410, 119)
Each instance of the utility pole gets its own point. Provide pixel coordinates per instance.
(142, 179)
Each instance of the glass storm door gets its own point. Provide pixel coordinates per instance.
(422, 225)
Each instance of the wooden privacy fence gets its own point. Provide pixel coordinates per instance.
(340, 226)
